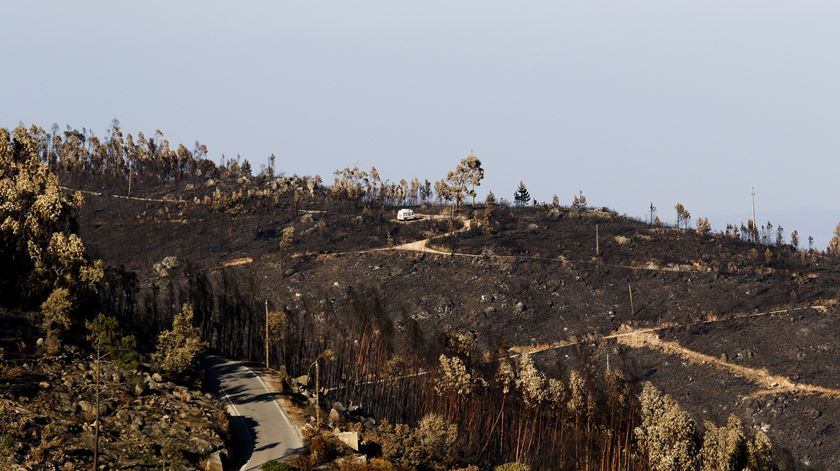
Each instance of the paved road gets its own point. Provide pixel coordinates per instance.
(264, 432)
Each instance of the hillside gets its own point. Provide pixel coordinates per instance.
(709, 309)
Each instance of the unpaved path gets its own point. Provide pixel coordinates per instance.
(769, 383)
(631, 337)
(423, 245)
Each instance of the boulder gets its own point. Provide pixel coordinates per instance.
(335, 416)
(351, 439)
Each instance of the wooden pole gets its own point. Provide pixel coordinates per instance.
(632, 309)
(597, 243)
(755, 222)
(266, 333)
(96, 425)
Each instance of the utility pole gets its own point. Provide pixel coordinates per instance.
(98, 385)
(755, 222)
(652, 209)
(632, 309)
(266, 333)
(597, 243)
(129, 177)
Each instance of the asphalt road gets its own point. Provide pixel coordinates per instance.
(264, 433)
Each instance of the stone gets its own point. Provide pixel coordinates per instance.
(85, 406)
(303, 380)
(213, 462)
(200, 446)
(140, 389)
(335, 416)
(351, 439)
(157, 378)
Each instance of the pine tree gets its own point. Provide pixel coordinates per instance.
(521, 197)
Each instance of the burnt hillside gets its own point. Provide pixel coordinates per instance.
(527, 280)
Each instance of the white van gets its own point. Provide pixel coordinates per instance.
(406, 215)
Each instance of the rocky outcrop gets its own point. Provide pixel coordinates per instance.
(144, 420)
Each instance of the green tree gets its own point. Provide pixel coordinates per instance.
(521, 197)
(104, 332)
(178, 347)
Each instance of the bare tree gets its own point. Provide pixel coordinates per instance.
(683, 216)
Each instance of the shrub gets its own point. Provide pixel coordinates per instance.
(380, 464)
(277, 466)
(56, 310)
(325, 447)
(512, 467)
(287, 237)
(429, 446)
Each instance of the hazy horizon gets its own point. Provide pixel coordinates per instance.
(646, 101)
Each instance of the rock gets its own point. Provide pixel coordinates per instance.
(44, 385)
(303, 380)
(39, 342)
(86, 407)
(213, 462)
(335, 416)
(351, 439)
(140, 389)
(157, 378)
(200, 446)
(339, 407)
(520, 307)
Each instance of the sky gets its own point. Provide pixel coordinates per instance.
(631, 101)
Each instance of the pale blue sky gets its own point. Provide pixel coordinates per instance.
(630, 101)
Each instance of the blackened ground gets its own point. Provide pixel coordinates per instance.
(537, 280)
